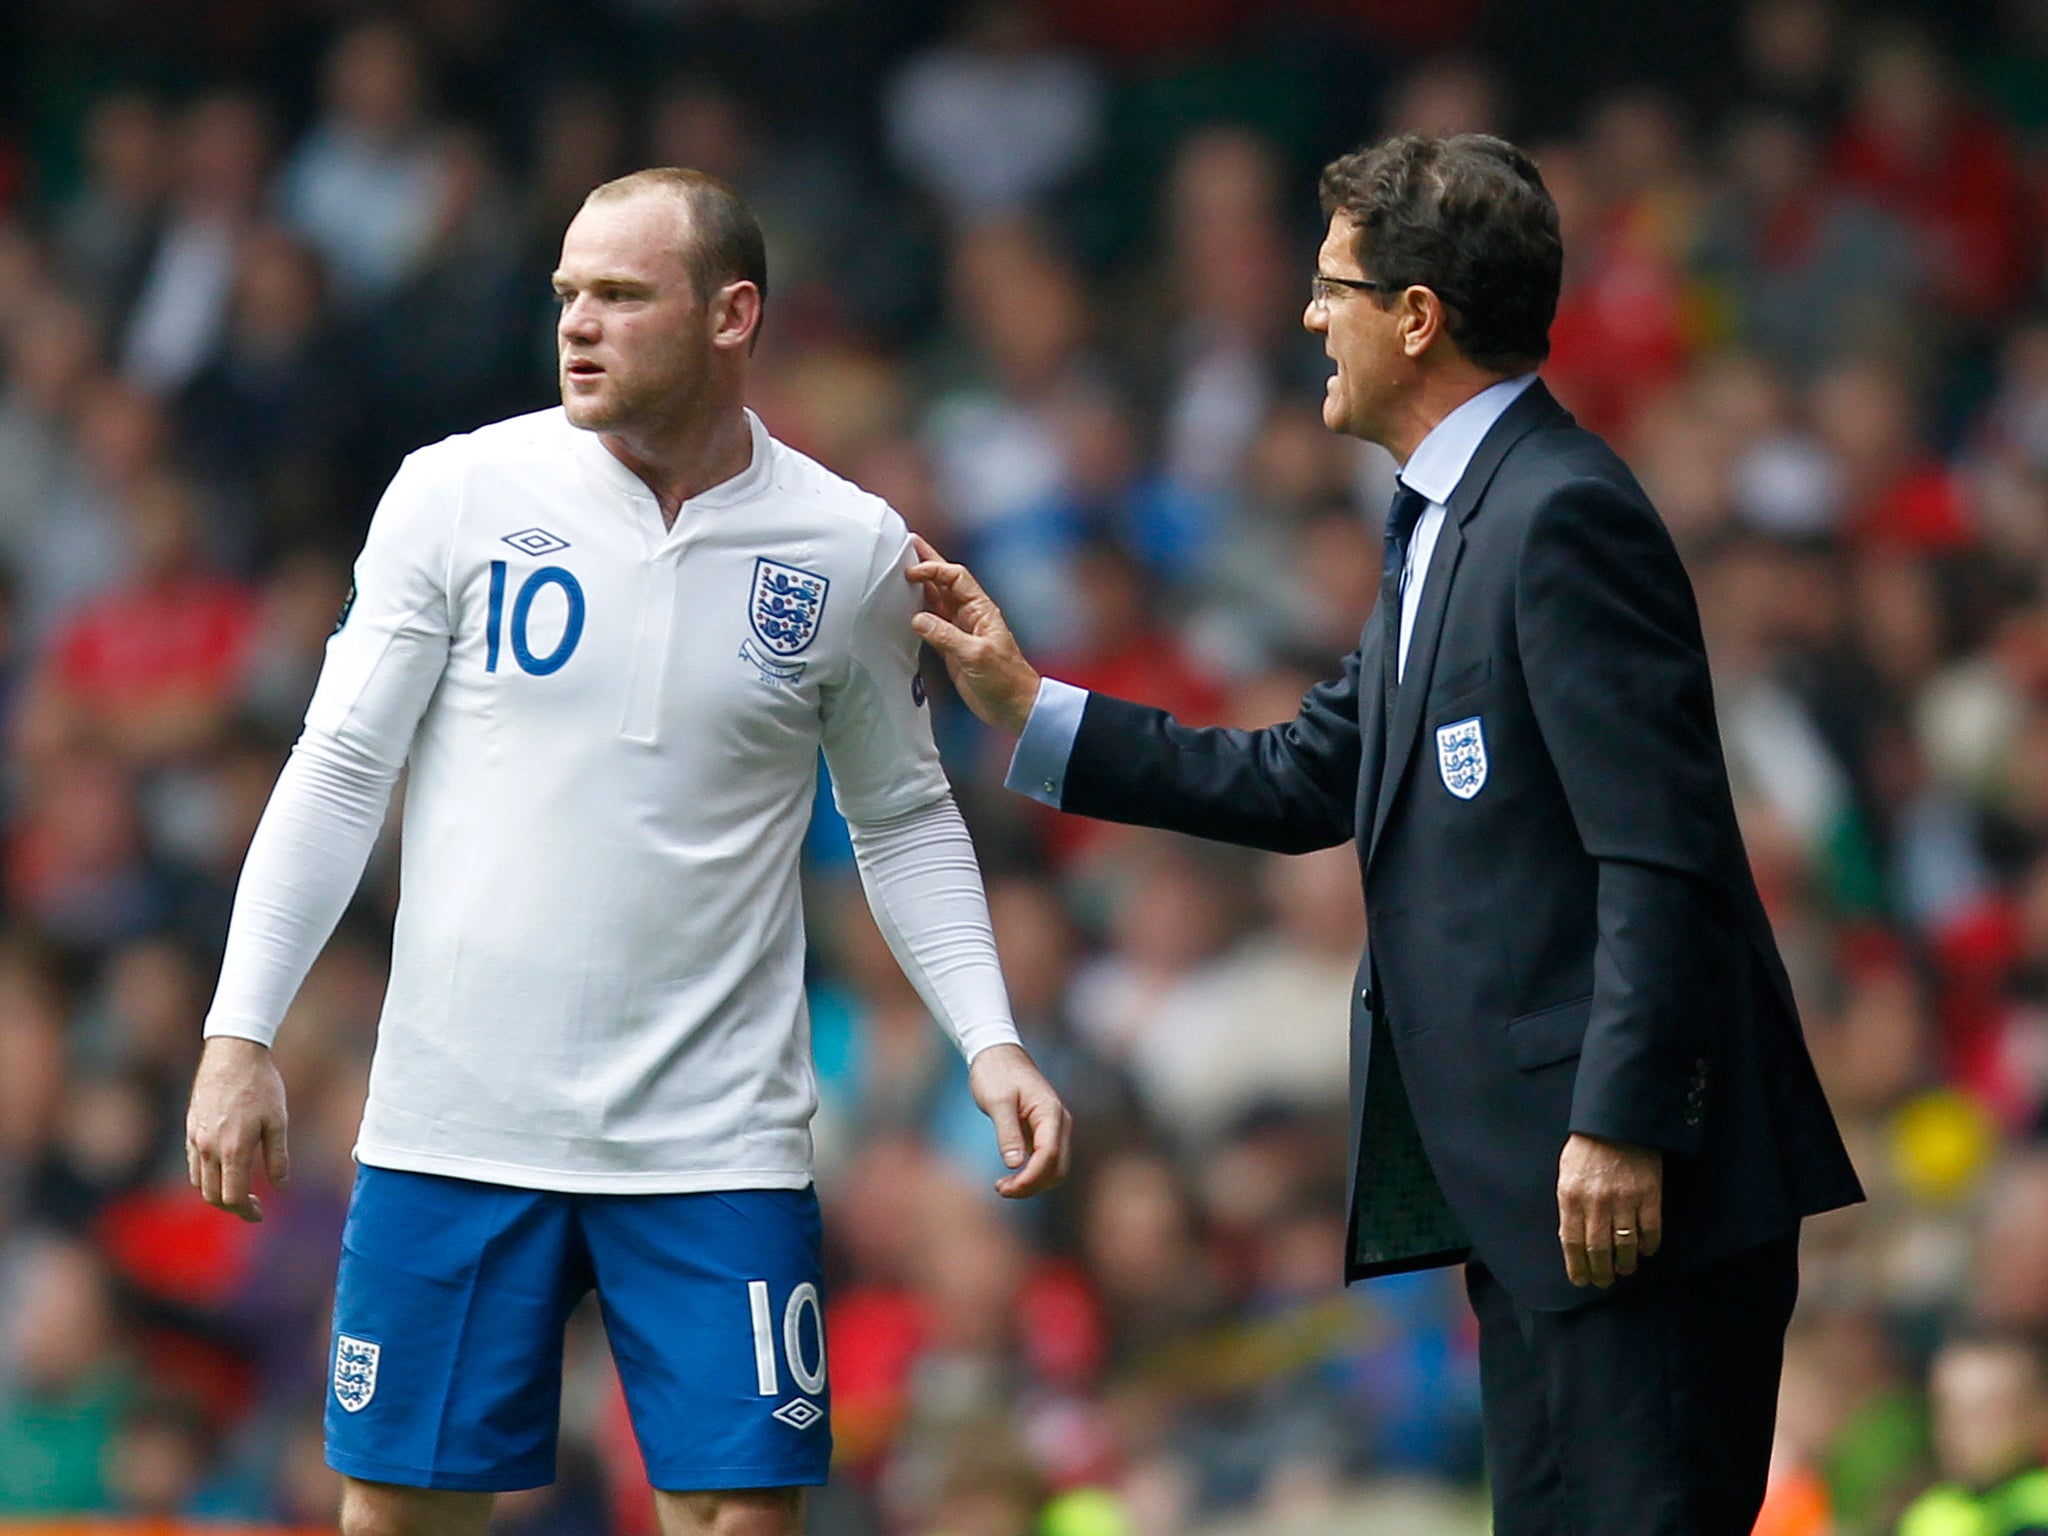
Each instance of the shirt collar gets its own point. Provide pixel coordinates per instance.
(1440, 459)
(754, 478)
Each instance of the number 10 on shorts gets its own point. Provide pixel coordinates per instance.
(809, 1376)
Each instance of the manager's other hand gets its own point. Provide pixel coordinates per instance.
(1610, 1207)
(237, 1114)
(963, 624)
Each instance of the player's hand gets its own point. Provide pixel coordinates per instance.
(237, 1114)
(963, 624)
(1033, 1128)
(1610, 1207)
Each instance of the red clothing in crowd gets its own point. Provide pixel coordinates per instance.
(1923, 510)
(1967, 201)
(1625, 320)
(135, 647)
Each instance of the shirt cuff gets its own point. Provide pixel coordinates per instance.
(1038, 768)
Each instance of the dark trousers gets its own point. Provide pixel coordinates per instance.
(1648, 1413)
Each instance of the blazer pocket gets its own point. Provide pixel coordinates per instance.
(1550, 1034)
(1451, 687)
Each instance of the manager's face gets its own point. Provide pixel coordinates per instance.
(1362, 338)
(633, 343)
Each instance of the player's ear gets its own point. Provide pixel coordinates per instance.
(735, 314)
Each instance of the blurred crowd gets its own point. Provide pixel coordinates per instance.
(1037, 271)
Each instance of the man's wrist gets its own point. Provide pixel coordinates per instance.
(1022, 702)
(229, 1039)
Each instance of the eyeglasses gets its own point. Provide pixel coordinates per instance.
(1322, 287)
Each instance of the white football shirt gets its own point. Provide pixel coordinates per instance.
(612, 731)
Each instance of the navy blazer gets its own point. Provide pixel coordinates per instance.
(1565, 933)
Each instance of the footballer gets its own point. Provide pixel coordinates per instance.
(606, 641)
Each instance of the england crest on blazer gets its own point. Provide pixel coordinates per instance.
(355, 1372)
(785, 606)
(1461, 756)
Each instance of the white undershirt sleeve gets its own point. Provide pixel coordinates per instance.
(383, 662)
(303, 866)
(916, 860)
(924, 887)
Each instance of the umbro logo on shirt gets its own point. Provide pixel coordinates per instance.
(535, 541)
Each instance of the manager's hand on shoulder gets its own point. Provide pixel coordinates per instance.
(963, 624)
(1610, 1207)
(237, 1112)
(1033, 1128)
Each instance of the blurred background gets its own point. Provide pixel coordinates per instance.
(1038, 268)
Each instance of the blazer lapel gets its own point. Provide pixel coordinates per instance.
(1534, 407)
(1372, 724)
(1408, 702)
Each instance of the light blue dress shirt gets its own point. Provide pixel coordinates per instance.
(1038, 768)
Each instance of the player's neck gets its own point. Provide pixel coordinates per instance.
(706, 449)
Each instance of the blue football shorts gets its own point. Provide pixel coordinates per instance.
(446, 1370)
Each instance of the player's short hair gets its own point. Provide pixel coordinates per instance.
(1467, 217)
(725, 238)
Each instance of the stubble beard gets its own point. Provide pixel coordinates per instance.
(636, 408)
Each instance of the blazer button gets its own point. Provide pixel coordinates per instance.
(1365, 996)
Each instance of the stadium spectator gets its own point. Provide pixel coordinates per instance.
(1802, 269)
(150, 667)
(71, 1382)
(365, 182)
(107, 228)
(265, 422)
(1991, 1440)
(1916, 144)
(995, 120)
(222, 157)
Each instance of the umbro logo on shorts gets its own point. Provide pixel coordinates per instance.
(799, 1413)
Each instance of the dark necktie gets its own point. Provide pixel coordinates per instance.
(1402, 516)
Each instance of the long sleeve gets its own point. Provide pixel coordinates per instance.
(383, 661)
(1288, 788)
(1617, 675)
(303, 866)
(915, 858)
(924, 886)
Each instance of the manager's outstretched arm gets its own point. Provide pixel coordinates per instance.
(1289, 788)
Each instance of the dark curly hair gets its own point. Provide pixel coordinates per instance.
(1467, 217)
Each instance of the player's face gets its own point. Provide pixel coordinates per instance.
(1359, 336)
(633, 346)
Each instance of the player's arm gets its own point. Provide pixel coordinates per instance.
(316, 833)
(922, 880)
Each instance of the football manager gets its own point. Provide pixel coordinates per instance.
(1576, 1062)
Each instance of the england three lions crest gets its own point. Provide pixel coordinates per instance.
(785, 606)
(355, 1372)
(1461, 757)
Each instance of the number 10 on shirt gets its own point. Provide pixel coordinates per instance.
(522, 609)
(809, 1378)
